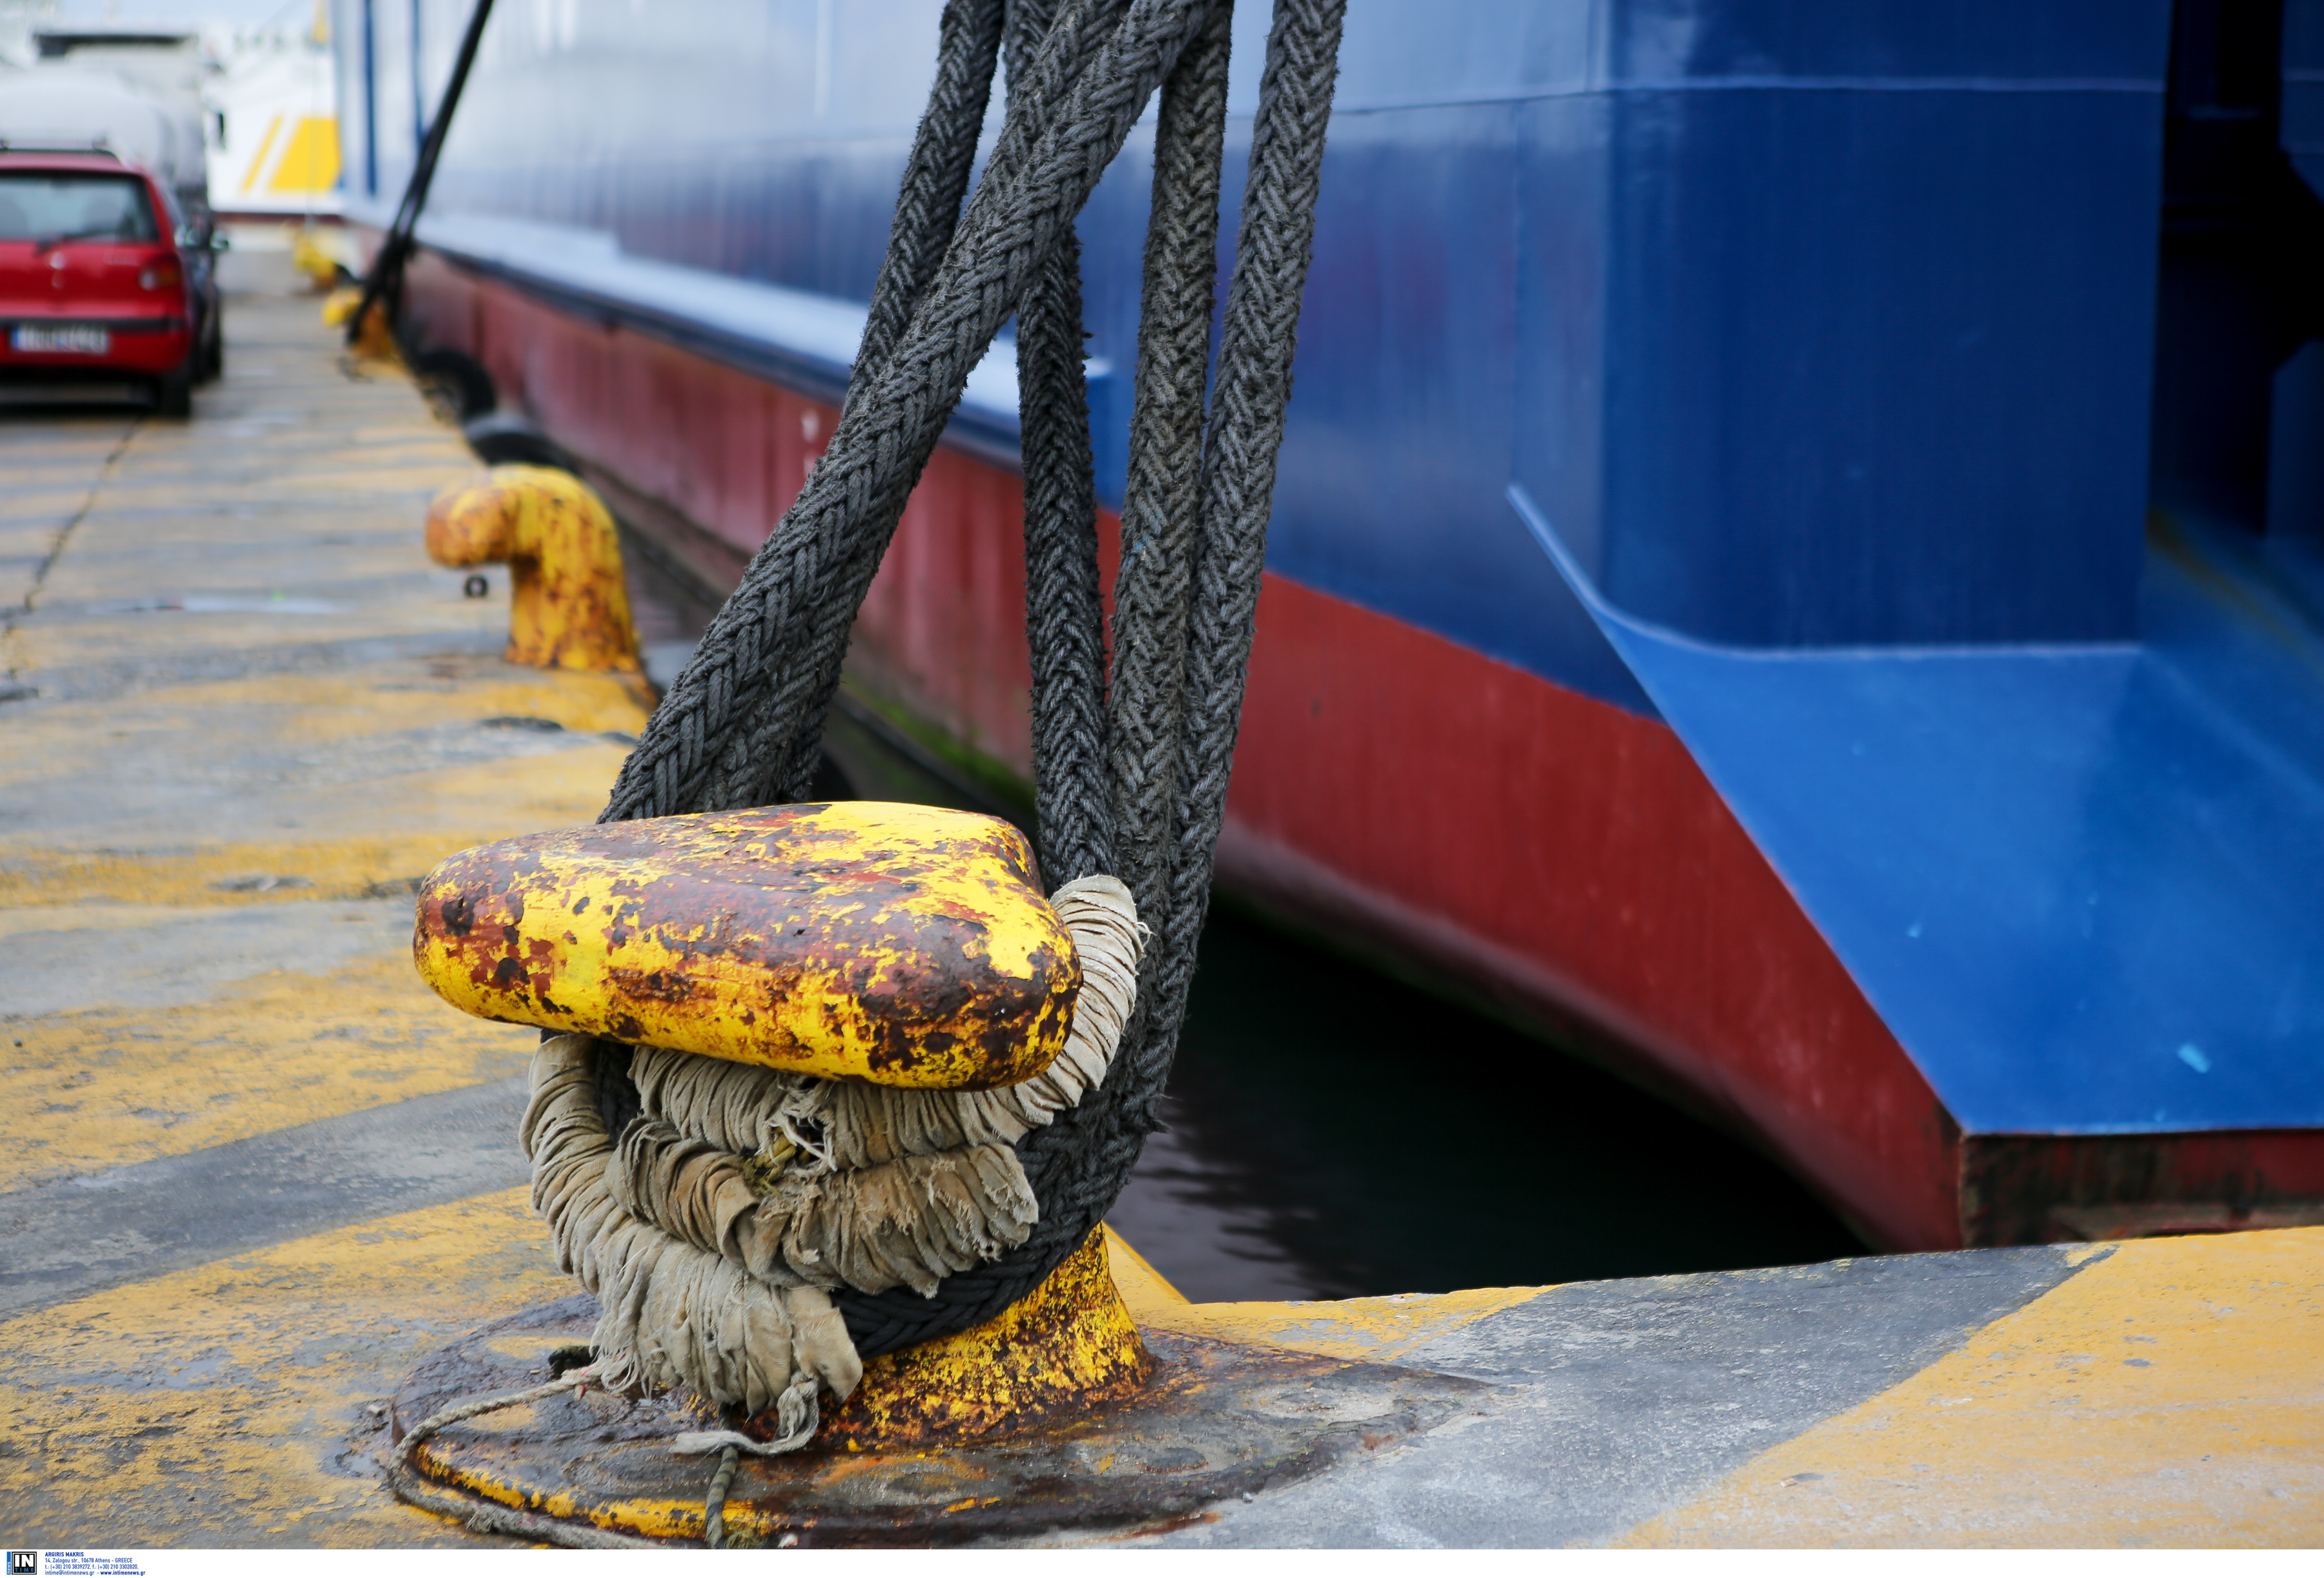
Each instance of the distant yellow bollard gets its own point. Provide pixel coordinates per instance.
(569, 606)
(320, 267)
(377, 340)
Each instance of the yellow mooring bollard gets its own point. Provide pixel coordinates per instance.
(377, 341)
(569, 605)
(905, 956)
(799, 1056)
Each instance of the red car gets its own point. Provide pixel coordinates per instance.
(100, 278)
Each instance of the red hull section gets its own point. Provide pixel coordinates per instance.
(1564, 857)
(1571, 857)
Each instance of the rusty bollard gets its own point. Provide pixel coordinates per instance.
(867, 943)
(569, 606)
(908, 957)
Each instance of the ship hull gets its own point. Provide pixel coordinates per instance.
(1451, 816)
(1782, 572)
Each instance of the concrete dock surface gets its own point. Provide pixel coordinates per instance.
(261, 1172)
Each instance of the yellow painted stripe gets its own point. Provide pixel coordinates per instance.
(82, 1092)
(224, 1406)
(1143, 1288)
(1377, 1330)
(2171, 1394)
(311, 162)
(403, 820)
(32, 879)
(258, 162)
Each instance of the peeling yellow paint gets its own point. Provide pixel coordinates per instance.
(2171, 1394)
(1063, 1347)
(905, 944)
(35, 883)
(383, 812)
(570, 608)
(1377, 1330)
(311, 709)
(224, 1405)
(98, 1088)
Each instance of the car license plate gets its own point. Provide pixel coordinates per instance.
(79, 338)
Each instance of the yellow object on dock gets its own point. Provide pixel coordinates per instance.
(1066, 1351)
(1063, 1349)
(902, 945)
(311, 258)
(376, 343)
(570, 607)
(2171, 1393)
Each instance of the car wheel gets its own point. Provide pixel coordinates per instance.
(173, 392)
(214, 354)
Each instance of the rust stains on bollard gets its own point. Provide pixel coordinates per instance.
(1063, 1349)
(569, 606)
(376, 343)
(904, 945)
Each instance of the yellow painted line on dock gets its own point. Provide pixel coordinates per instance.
(226, 1405)
(84, 1091)
(2171, 1394)
(1378, 1330)
(332, 799)
(223, 875)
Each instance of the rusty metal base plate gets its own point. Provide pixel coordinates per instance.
(1218, 1420)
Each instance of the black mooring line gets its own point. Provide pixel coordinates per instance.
(383, 280)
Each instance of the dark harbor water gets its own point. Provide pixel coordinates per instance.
(1334, 1132)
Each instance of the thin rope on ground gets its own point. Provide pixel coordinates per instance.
(714, 1505)
(492, 1516)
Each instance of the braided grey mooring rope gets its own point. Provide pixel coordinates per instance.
(1134, 783)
